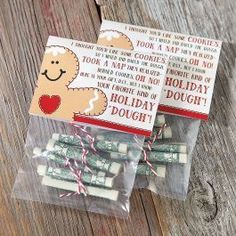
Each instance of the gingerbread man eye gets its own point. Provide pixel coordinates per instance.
(57, 62)
(52, 62)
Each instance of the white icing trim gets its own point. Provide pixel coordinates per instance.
(54, 50)
(91, 101)
(109, 35)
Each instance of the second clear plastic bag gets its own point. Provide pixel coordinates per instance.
(170, 156)
(54, 153)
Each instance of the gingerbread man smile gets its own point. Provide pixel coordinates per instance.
(46, 75)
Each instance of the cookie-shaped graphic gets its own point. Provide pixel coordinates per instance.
(53, 94)
(113, 38)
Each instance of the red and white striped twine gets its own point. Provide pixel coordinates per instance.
(88, 135)
(149, 146)
(80, 187)
(79, 131)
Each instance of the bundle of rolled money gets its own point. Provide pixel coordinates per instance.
(163, 151)
(100, 171)
(98, 176)
(105, 145)
(103, 167)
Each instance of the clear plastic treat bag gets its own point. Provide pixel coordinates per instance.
(169, 155)
(70, 160)
(78, 166)
(187, 92)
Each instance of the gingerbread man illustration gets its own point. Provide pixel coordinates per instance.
(114, 38)
(53, 96)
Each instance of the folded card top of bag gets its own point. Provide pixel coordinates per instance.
(98, 85)
(192, 65)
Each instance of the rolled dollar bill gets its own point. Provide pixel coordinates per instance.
(64, 138)
(64, 174)
(95, 161)
(165, 134)
(144, 169)
(71, 186)
(50, 156)
(160, 120)
(125, 138)
(112, 146)
(169, 147)
(167, 157)
(104, 145)
(133, 154)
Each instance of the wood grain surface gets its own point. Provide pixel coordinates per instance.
(210, 207)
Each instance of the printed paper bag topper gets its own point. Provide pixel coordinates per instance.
(93, 84)
(53, 95)
(191, 72)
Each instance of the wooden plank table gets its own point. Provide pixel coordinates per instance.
(210, 206)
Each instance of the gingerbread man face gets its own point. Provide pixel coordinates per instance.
(54, 97)
(113, 38)
(60, 66)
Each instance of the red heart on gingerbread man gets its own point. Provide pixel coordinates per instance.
(49, 104)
